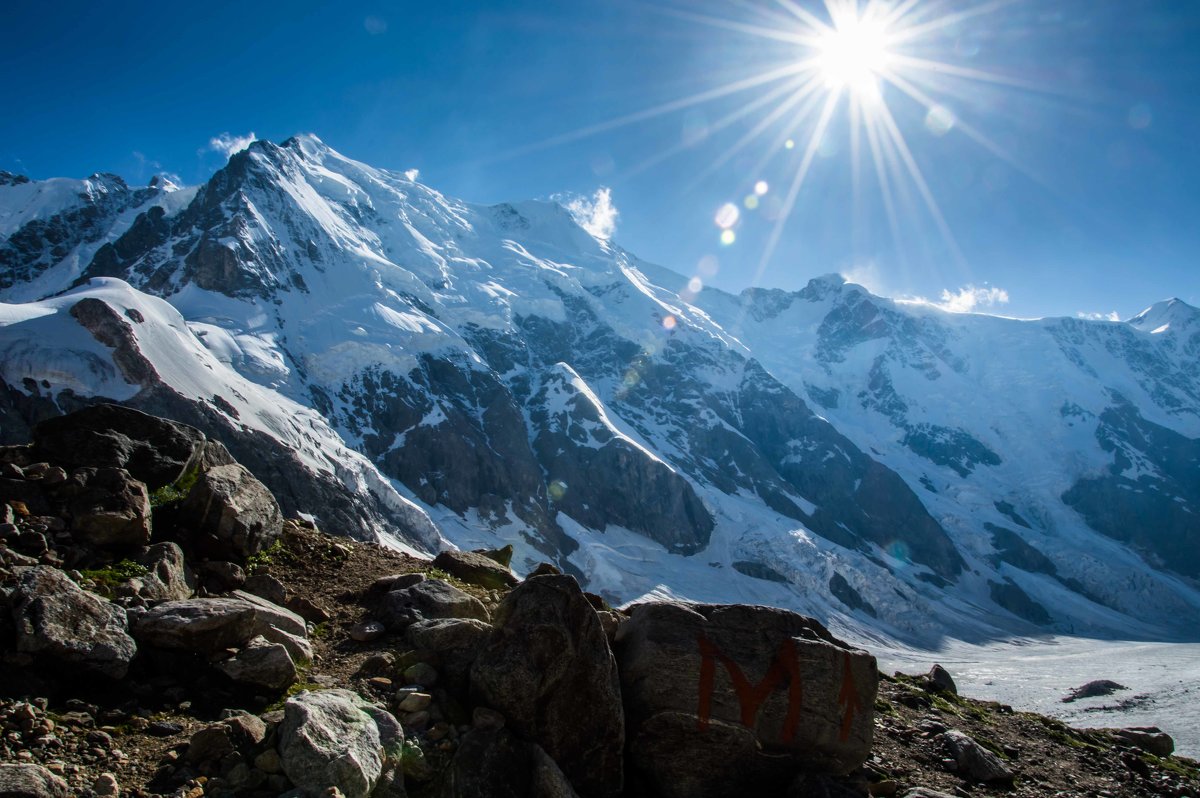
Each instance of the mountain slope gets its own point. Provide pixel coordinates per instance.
(511, 377)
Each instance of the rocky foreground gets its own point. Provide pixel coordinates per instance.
(165, 631)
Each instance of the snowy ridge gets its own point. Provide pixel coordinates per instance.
(503, 375)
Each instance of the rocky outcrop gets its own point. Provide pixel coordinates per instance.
(335, 739)
(30, 781)
(429, 599)
(70, 627)
(973, 760)
(772, 689)
(475, 569)
(234, 515)
(548, 668)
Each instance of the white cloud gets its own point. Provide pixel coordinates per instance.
(228, 145)
(596, 214)
(1112, 316)
(867, 275)
(413, 174)
(966, 300)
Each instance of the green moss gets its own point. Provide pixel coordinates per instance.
(177, 491)
(261, 562)
(295, 689)
(113, 575)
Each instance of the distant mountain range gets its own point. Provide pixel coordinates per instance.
(405, 366)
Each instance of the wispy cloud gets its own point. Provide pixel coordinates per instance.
(596, 214)
(1111, 316)
(868, 275)
(227, 144)
(967, 299)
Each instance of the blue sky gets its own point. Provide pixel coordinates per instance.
(1062, 159)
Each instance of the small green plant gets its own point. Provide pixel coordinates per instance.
(106, 579)
(295, 689)
(116, 573)
(258, 563)
(177, 491)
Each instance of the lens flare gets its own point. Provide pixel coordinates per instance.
(727, 215)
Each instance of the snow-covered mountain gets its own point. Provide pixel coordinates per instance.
(403, 365)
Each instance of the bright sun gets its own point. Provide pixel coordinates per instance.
(852, 54)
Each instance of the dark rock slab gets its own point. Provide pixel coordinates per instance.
(774, 677)
(548, 669)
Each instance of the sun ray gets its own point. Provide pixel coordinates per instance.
(794, 189)
(805, 16)
(720, 124)
(947, 20)
(790, 37)
(734, 87)
(919, 179)
(943, 68)
(970, 130)
(809, 89)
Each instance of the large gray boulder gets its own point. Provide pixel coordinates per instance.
(109, 508)
(211, 624)
(169, 578)
(153, 450)
(973, 760)
(429, 599)
(261, 663)
(30, 781)
(548, 669)
(773, 689)
(457, 642)
(475, 569)
(234, 514)
(494, 763)
(333, 738)
(71, 627)
(204, 625)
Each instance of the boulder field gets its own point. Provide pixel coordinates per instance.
(165, 631)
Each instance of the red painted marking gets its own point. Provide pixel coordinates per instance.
(848, 698)
(784, 672)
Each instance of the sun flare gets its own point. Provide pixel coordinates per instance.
(853, 54)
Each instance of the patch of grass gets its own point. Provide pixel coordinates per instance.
(112, 575)
(295, 689)
(177, 491)
(320, 631)
(261, 562)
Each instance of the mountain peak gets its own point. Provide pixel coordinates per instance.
(1172, 315)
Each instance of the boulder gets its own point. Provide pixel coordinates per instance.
(335, 739)
(475, 569)
(548, 668)
(1150, 739)
(108, 507)
(169, 578)
(457, 642)
(720, 670)
(269, 614)
(30, 781)
(941, 680)
(267, 587)
(1094, 689)
(205, 625)
(153, 450)
(973, 760)
(56, 618)
(261, 663)
(431, 598)
(502, 555)
(220, 576)
(493, 763)
(235, 516)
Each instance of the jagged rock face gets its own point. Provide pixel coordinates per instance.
(71, 218)
(1150, 497)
